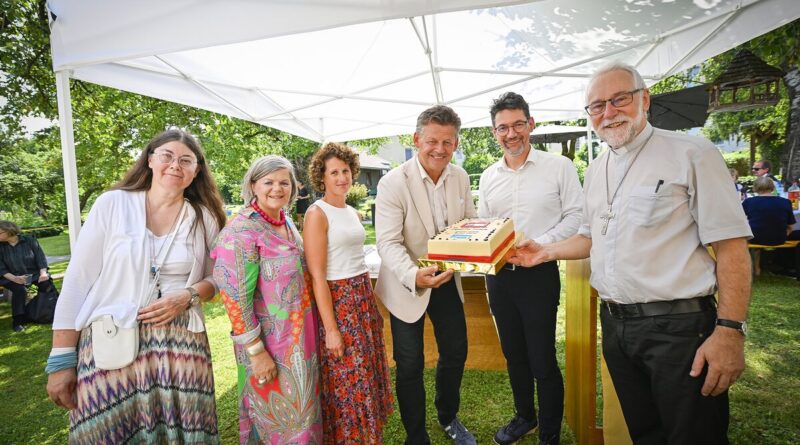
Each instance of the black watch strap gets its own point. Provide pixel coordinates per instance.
(740, 326)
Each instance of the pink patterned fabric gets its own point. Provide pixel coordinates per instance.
(262, 282)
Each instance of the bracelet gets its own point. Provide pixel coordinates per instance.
(64, 350)
(255, 349)
(60, 362)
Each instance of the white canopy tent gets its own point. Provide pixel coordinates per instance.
(353, 69)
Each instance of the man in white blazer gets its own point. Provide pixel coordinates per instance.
(416, 201)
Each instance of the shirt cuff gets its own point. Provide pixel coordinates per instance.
(247, 337)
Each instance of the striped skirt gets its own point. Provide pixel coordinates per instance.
(166, 396)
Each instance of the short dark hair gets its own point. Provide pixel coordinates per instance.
(766, 164)
(509, 101)
(439, 114)
(316, 168)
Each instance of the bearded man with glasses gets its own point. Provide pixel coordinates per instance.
(541, 193)
(654, 202)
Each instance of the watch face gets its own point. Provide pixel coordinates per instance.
(744, 328)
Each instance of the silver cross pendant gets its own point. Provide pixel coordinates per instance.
(606, 217)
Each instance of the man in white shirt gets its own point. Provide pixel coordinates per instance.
(416, 201)
(541, 194)
(654, 202)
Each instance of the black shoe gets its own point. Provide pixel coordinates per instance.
(19, 327)
(514, 430)
(552, 440)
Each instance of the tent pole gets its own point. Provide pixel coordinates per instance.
(68, 155)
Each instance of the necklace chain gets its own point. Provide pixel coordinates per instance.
(154, 268)
(606, 217)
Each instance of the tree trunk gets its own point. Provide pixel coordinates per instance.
(791, 149)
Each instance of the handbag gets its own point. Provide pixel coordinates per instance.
(42, 307)
(115, 347)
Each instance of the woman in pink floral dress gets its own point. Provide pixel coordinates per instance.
(261, 276)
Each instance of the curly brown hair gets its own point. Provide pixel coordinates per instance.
(316, 168)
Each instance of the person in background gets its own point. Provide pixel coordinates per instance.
(356, 393)
(740, 189)
(301, 206)
(763, 168)
(266, 291)
(770, 217)
(654, 202)
(541, 193)
(22, 264)
(166, 395)
(415, 201)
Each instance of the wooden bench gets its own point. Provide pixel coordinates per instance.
(755, 253)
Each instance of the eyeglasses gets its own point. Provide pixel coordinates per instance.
(166, 157)
(755, 169)
(618, 101)
(518, 127)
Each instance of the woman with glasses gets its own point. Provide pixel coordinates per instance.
(22, 264)
(261, 276)
(356, 394)
(141, 261)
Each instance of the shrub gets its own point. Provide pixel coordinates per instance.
(356, 195)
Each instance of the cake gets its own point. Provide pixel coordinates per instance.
(473, 239)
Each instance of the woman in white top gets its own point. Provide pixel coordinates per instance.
(141, 260)
(356, 395)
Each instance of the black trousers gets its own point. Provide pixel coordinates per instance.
(649, 359)
(446, 312)
(19, 295)
(524, 302)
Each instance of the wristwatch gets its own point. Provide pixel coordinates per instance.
(740, 326)
(195, 297)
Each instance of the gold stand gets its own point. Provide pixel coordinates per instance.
(581, 364)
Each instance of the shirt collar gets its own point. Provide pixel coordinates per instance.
(425, 174)
(637, 142)
(531, 158)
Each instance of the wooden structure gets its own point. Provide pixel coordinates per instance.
(484, 345)
(748, 82)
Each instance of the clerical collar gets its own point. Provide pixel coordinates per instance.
(637, 142)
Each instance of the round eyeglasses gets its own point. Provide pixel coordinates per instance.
(518, 127)
(166, 157)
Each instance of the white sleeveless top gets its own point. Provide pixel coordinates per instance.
(346, 238)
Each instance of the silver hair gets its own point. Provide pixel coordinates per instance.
(262, 167)
(616, 65)
(763, 184)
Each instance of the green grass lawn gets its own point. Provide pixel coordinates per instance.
(55, 245)
(764, 407)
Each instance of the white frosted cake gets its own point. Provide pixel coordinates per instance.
(473, 239)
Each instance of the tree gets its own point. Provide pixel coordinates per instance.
(111, 126)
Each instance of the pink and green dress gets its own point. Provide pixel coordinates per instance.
(266, 292)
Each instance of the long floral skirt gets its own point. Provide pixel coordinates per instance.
(356, 393)
(166, 396)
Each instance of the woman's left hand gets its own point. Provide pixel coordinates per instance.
(43, 277)
(166, 308)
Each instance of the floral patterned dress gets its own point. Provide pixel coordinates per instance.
(266, 292)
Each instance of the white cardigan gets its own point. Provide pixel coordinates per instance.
(108, 272)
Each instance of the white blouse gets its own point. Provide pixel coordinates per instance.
(108, 273)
